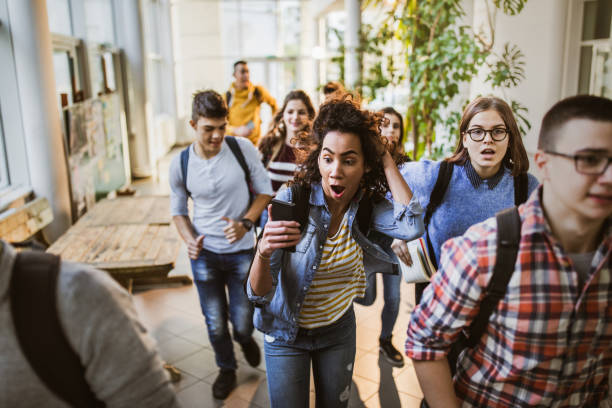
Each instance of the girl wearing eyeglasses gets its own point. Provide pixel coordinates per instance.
(486, 174)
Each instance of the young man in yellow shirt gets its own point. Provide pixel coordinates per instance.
(244, 100)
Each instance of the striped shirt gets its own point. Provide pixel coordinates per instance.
(548, 343)
(338, 280)
(282, 168)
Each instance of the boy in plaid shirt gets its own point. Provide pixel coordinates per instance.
(549, 341)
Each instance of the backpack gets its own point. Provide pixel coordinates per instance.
(301, 197)
(233, 145)
(508, 240)
(256, 93)
(33, 300)
(445, 173)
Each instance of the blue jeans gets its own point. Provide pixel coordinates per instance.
(391, 290)
(331, 349)
(212, 273)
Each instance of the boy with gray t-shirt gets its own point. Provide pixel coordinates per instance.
(220, 237)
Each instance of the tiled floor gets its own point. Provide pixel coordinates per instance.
(172, 315)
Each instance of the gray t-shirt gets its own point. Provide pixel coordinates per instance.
(121, 363)
(582, 264)
(218, 189)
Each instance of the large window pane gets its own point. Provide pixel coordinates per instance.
(60, 21)
(584, 78)
(597, 20)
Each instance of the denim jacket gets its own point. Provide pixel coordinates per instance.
(276, 313)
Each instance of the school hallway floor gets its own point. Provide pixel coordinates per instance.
(172, 315)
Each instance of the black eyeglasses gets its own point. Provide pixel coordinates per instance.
(591, 164)
(478, 134)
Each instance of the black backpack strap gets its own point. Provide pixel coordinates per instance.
(41, 338)
(233, 145)
(435, 199)
(228, 98)
(300, 196)
(364, 214)
(257, 93)
(184, 164)
(521, 184)
(508, 240)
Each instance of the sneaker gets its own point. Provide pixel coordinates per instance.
(251, 352)
(391, 354)
(224, 384)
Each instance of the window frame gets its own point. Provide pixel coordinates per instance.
(14, 154)
(574, 44)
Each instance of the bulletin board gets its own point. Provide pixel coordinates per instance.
(95, 150)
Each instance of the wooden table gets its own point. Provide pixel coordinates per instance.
(129, 237)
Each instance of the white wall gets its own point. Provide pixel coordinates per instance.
(539, 31)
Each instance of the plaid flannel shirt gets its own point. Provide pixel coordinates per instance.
(548, 343)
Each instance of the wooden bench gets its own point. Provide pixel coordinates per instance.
(129, 237)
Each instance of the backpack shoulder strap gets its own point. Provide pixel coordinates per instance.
(33, 300)
(184, 164)
(521, 184)
(233, 145)
(508, 240)
(228, 98)
(257, 93)
(437, 194)
(435, 199)
(364, 214)
(300, 196)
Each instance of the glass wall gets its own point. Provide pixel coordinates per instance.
(210, 36)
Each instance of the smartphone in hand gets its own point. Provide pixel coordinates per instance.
(283, 211)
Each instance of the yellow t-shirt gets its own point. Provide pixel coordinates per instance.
(338, 280)
(244, 107)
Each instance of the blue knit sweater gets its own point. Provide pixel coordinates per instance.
(464, 203)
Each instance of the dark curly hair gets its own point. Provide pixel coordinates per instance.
(278, 132)
(343, 114)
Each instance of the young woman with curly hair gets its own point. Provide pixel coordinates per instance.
(305, 296)
(279, 148)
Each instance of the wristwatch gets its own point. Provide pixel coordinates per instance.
(248, 224)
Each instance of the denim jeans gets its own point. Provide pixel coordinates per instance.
(212, 273)
(331, 349)
(391, 290)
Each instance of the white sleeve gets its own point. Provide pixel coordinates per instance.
(121, 362)
(178, 190)
(259, 175)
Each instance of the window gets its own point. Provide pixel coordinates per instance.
(595, 63)
(13, 162)
(68, 70)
